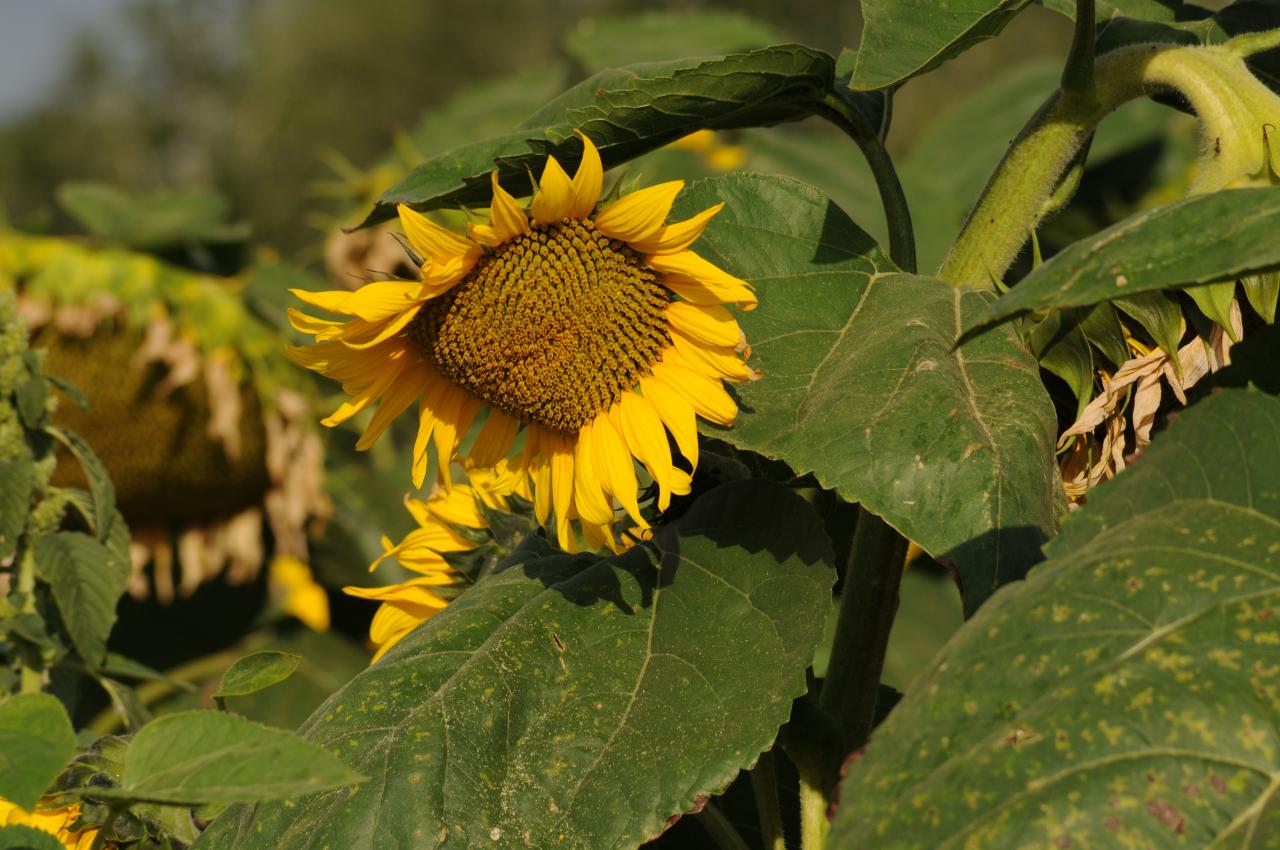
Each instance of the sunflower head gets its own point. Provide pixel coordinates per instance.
(587, 335)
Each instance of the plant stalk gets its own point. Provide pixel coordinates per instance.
(1214, 79)
(868, 605)
(764, 786)
(717, 826)
(1077, 76)
(814, 800)
(902, 240)
(32, 678)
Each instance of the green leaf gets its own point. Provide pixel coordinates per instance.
(1061, 346)
(17, 480)
(18, 837)
(257, 671)
(903, 38)
(126, 702)
(663, 36)
(100, 487)
(514, 717)
(150, 221)
(1158, 314)
(626, 112)
(196, 757)
(36, 739)
(1205, 239)
(30, 397)
(1263, 291)
(87, 581)
(861, 386)
(1124, 695)
(1143, 10)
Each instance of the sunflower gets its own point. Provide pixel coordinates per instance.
(58, 821)
(450, 522)
(584, 336)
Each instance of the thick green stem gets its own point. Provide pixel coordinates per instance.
(717, 826)
(764, 785)
(1215, 81)
(32, 679)
(814, 800)
(868, 605)
(902, 240)
(1077, 76)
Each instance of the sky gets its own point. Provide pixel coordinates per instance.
(36, 39)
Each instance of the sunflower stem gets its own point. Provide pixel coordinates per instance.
(868, 605)
(1026, 184)
(32, 680)
(1077, 76)
(717, 826)
(814, 800)
(902, 240)
(764, 786)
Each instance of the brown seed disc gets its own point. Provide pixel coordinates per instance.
(551, 327)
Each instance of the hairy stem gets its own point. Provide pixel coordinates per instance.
(764, 785)
(1077, 76)
(1215, 81)
(814, 801)
(32, 680)
(902, 240)
(868, 605)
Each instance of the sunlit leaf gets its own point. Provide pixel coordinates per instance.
(1125, 694)
(257, 671)
(36, 739)
(514, 718)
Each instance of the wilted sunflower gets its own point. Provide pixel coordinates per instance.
(450, 522)
(586, 334)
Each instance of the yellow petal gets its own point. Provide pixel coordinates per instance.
(642, 430)
(551, 202)
(711, 324)
(588, 493)
(561, 482)
(458, 506)
(485, 234)
(689, 264)
(676, 413)
(456, 409)
(372, 302)
(706, 395)
(539, 466)
(712, 360)
(367, 396)
(613, 464)
(506, 216)
(639, 215)
(399, 395)
(426, 424)
(388, 330)
(676, 237)
(494, 440)
(435, 243)
(415, 591)
(697, 292)
(587, 181)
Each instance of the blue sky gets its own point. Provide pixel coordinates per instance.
(36, 37)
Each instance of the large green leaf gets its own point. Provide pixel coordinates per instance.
(662, 36)
(902, 38)
(575, 702)
(1127, 693)
(197, 757)
(101, 490)
(626, 112)
(1207, 238)
(36, 739)
(87, 580)
(861, 386)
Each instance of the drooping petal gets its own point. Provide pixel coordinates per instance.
(697, 292)
(678, 236)
(494, 440)
(588, 491)
(407, 387)
(712, 359)
(388, 330)
(706, 394)
(638, 216)
(437, 244)
(366, 395)
(711, 323)
(561, 482)
(676, 413)
(373, 302)
(551, 202)
(689, 264)
(642, 430)
(456, 409)
(613, 464)
(587, 181)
